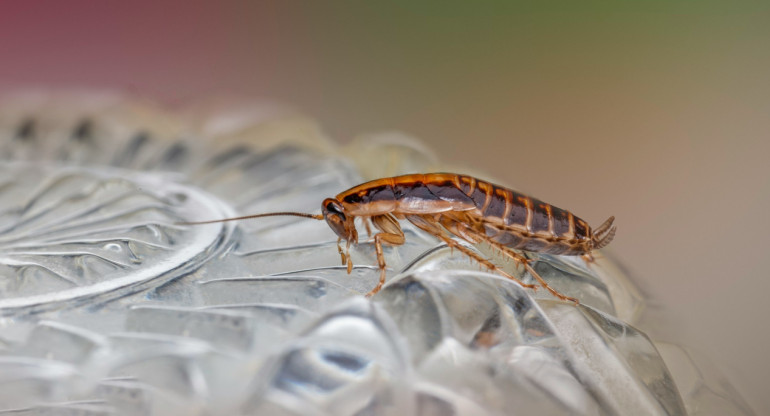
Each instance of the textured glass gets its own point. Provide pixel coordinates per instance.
(110, 306)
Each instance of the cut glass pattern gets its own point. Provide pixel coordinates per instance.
(109, 305)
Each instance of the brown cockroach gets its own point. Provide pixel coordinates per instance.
(446, 205)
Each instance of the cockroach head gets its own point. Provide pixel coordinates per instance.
(334, 214)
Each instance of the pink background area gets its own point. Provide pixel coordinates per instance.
(657, 114)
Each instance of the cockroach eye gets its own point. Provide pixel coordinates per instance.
(334, 209)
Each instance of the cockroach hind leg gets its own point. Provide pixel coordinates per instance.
(467, 234)
(548, 287)
(521, 259)
(526, 285)
(526, 261)
(545, 284)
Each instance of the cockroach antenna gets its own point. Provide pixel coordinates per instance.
(248, 217)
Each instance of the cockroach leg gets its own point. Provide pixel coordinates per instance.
(342, 253)
(379, 239)
(347, 257)
(429, 225)
(349, 262)
(368, 228)
(390, 234)
(519, 259)
(463, 231)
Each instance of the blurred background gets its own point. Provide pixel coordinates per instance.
(657, 113)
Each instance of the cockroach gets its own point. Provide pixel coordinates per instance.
(448, 205)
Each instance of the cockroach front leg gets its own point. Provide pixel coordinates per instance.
(392, 235)
(379, 239)
(343, 258)
(347, 257)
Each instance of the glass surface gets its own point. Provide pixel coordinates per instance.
(108, 305)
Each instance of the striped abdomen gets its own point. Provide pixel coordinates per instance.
(507, 217)
(522, 222)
